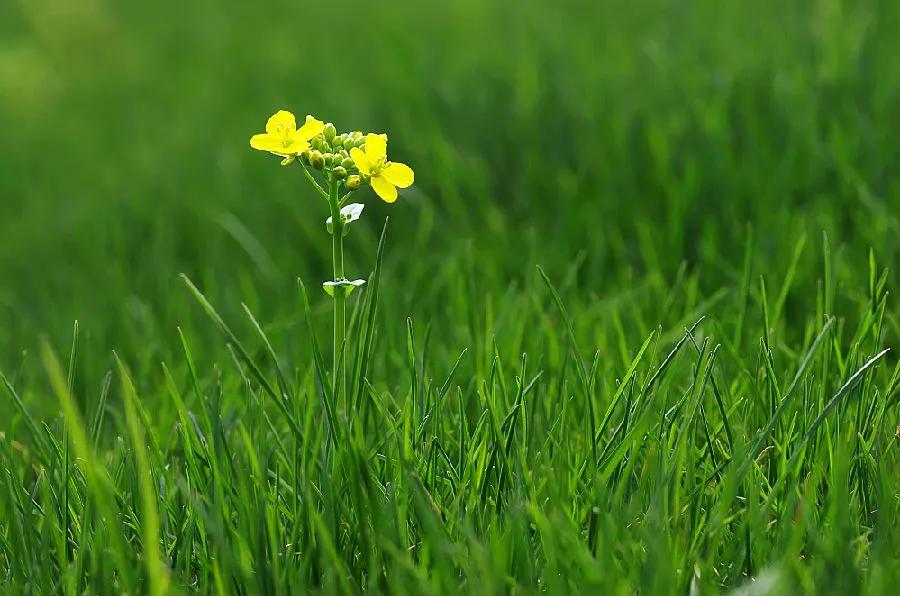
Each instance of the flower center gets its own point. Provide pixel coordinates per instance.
(379, 166)
(284, 132)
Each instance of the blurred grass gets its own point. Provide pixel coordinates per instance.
(643, 134)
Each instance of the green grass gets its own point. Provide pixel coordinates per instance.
(632, 330)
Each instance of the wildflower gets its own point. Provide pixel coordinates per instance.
(345, 160)
(383, 175)
(283, 138)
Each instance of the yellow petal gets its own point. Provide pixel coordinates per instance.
(265, 142)
(384, 189)
(362, 162)
(282, 121)
(376, 147)
(310, 128)
(295, 147)
(398, 174)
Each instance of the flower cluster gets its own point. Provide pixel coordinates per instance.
(352, 159)
(347, 161)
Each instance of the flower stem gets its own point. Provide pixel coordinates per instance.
(340, 299)
(313, 181)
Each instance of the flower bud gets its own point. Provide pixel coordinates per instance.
(316, 160)
(339, 172)
(347, 163)
(348, 144)
(329, 132)
(304, 157)
(353, 182)
(338, 140)
(343, 153)
(328, 159)
(288, 160)
(360, 142)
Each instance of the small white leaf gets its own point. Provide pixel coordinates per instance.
(345, 285)
(349, 214)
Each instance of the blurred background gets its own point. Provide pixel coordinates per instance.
(629, 147)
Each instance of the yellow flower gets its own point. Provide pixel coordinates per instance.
(385, 176)
(282, 136)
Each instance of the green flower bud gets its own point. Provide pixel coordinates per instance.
(304, 157)
(347, 163)
(316, 160)
(356, 135)
(349, 144)
(360, 142)
(340, 173)
(338, 141)
(329, 159)
(288, 160)
(353, 182)
(343, 153)
(330, 131)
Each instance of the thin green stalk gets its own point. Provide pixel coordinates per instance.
(340, 298)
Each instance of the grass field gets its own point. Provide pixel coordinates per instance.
(632, 330)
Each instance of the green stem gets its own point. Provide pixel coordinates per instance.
(313, 181)
(340, 298)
